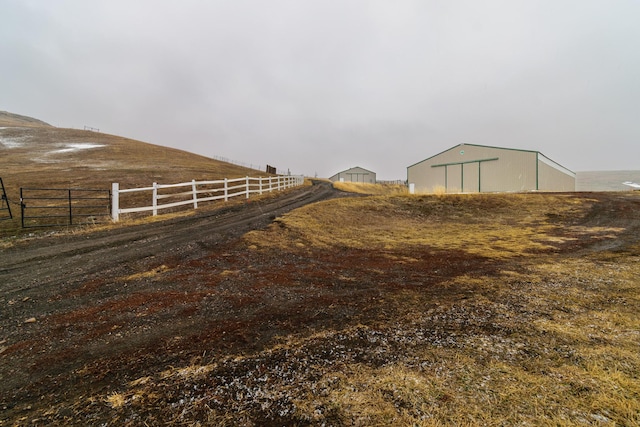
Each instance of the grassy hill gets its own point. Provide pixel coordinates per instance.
(11, 119)
(35, 154)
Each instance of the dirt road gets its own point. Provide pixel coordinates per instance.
(39, 263)
(45, 284)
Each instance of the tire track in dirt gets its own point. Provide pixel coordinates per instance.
(44, 278)
(46, 262)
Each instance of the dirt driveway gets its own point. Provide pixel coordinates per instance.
(90, 302)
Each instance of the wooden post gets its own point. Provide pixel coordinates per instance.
(115, 202)
(195, 194)
(154, 202)
(22, 207)
(247, 187)
(70, 206)
(226, 190)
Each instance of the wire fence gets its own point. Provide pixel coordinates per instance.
(267, 168)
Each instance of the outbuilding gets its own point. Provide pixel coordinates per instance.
(481, 168)
(355, 174)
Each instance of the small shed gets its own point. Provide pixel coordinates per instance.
(355, 174)
(481, 168)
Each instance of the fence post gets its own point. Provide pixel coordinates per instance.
(260, 187)
(5, 199)
(22, 206)
(70, 214)
(115, 202)
(154, 202)
(226, 190)
(195, 194)
(247, 186)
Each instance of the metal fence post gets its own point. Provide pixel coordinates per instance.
(5, 199)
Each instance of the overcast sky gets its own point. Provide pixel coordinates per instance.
(318, 86)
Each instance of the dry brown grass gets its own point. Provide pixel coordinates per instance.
(518, 224)
(571, 354)
(371, 189)
(550, 340)
(34, 157)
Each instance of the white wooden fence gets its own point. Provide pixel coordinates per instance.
(200, 191)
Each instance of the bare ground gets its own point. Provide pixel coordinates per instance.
(182, 322)
(74, 301)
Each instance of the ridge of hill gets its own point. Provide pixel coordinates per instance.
(12, 119)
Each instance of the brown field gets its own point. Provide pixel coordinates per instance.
(408, 310)
(44, 156)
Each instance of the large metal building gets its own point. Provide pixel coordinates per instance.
(355, 174)
(480, 168)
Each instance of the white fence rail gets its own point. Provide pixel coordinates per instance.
(199, 191)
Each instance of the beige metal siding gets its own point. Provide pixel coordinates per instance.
(355, 174)
(552, 179)
(513, 171)
(425, 178)
(454, 178)
(473, 168)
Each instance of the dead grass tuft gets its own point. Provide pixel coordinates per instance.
(116, 400)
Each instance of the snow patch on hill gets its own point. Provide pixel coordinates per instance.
(70, 148)
(15, 142)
